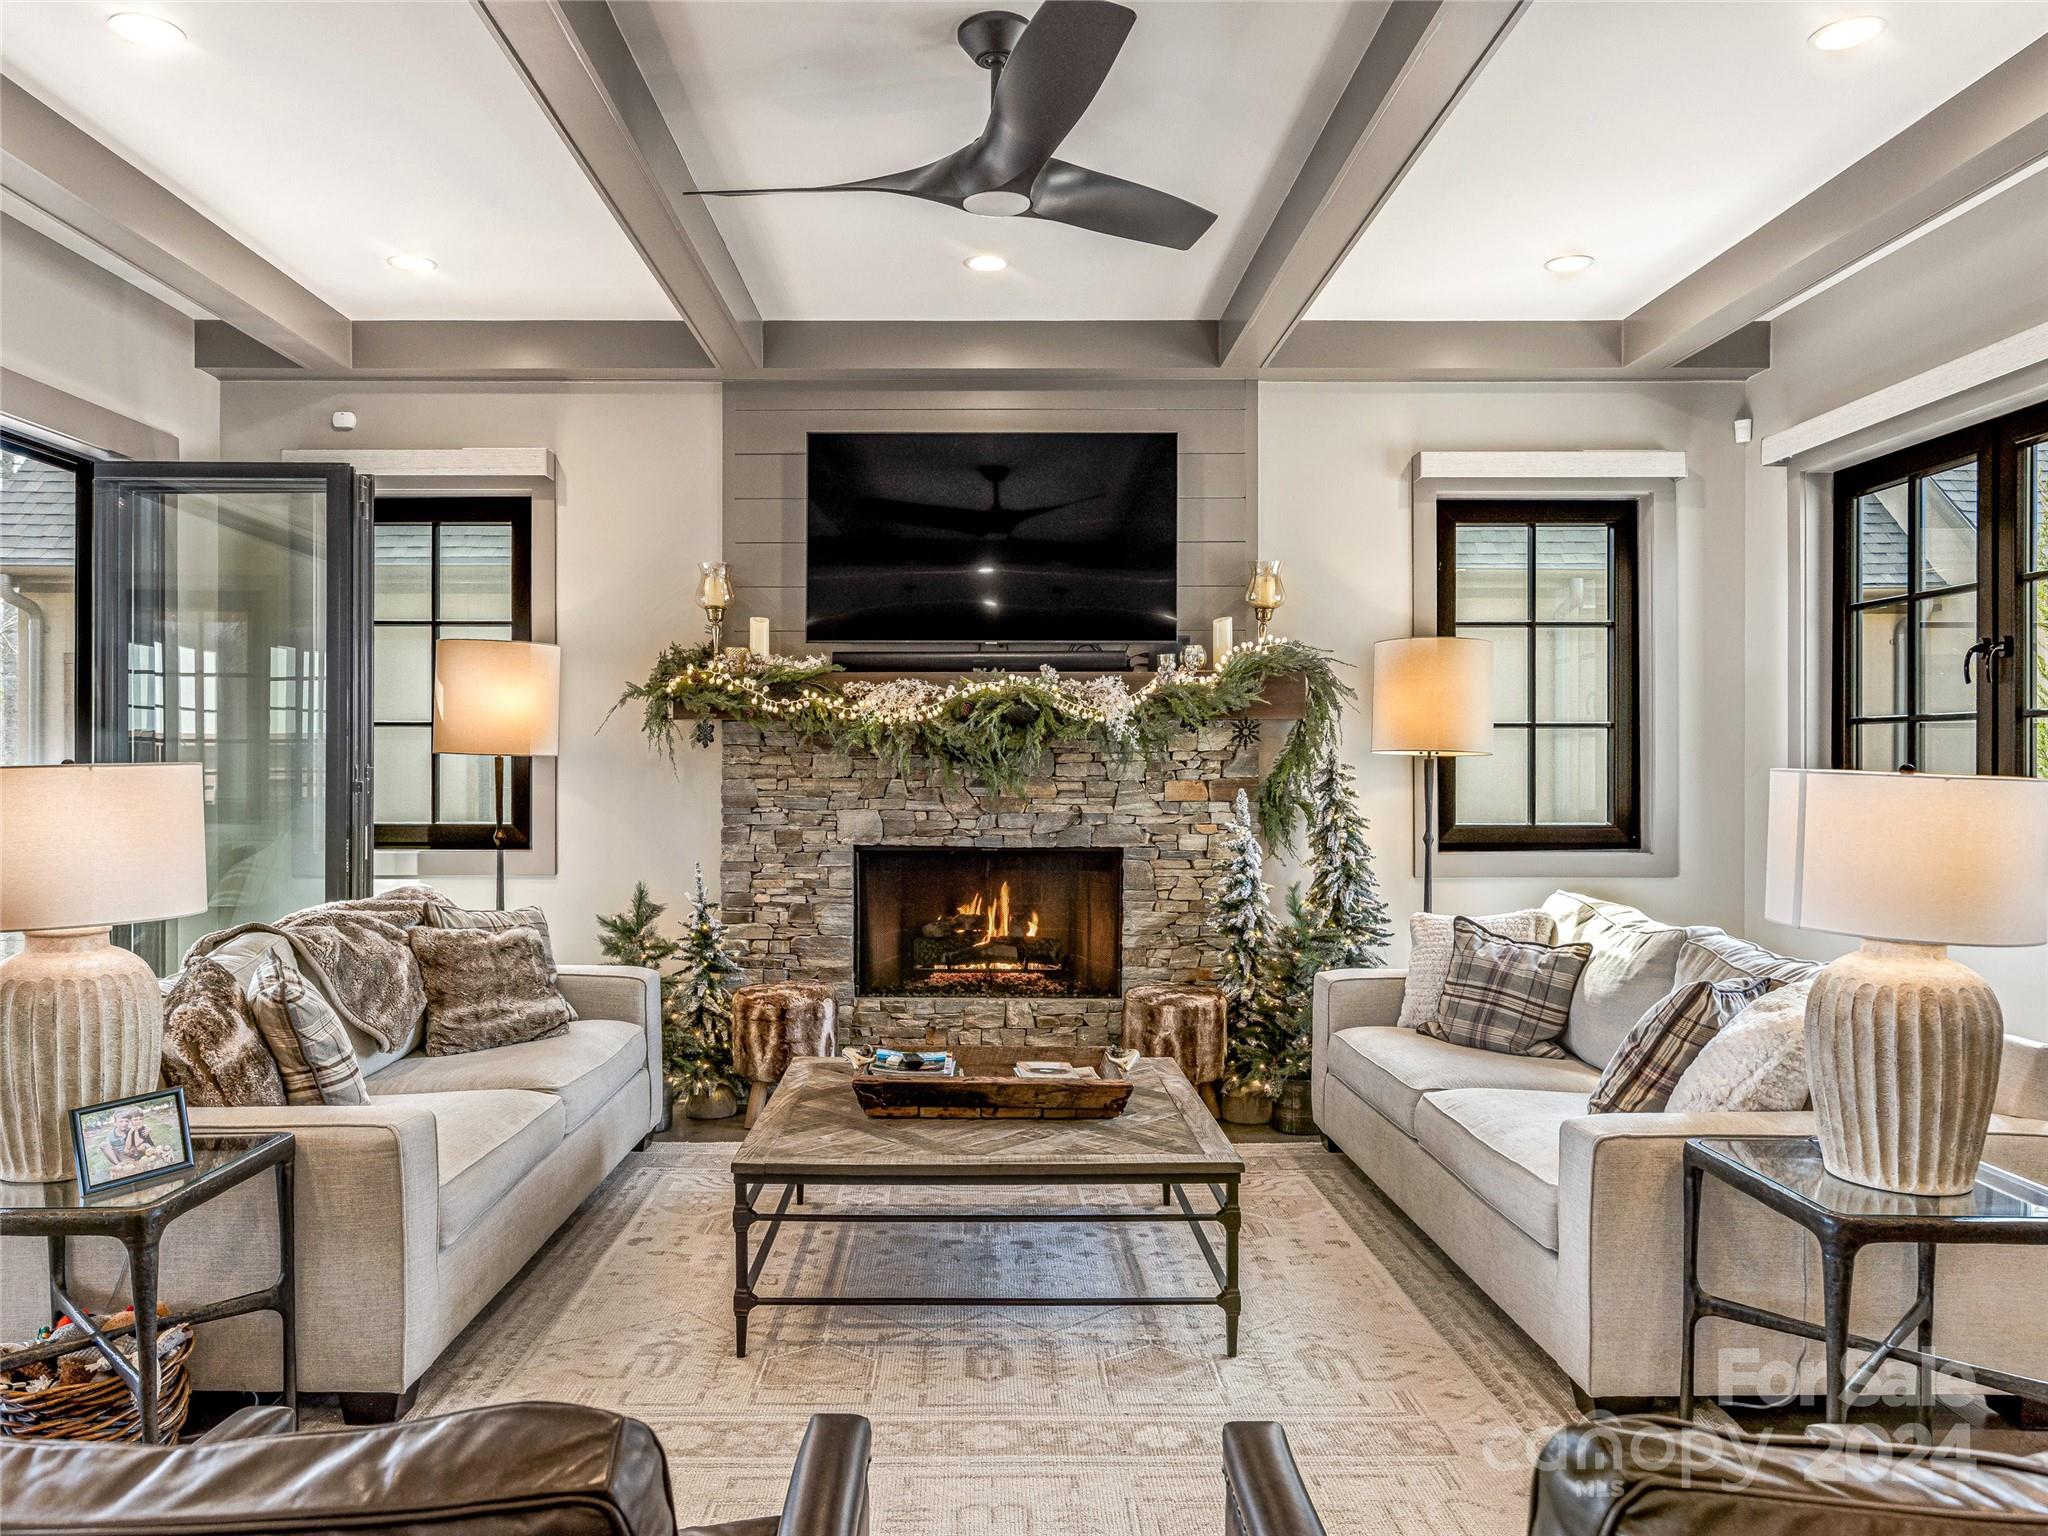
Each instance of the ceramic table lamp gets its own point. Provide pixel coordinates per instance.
(81, 1022)
(1903, 1042)
(497, 699)
(1432, 698)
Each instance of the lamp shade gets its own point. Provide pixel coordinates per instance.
(497, 698)
(1913, 858)
(1433, 694)
(89, 846)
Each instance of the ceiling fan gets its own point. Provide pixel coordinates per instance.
(1043, 73)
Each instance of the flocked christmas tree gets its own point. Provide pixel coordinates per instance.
(697, 1025)
(696, 997)
(1243, 905)
(1343, 892)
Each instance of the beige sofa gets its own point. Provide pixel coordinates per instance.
(413, 1210)
(1571, 1222)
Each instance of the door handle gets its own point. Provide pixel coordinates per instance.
(1988, 648)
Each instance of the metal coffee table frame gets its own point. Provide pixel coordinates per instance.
(138, 1225)
(813, 1135)
(747, 1267)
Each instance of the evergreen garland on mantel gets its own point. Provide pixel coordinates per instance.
(998, 727)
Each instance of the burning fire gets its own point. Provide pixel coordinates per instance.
(995, 914)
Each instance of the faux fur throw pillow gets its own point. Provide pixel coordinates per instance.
(442, 913)
(486, 987)
(1756, 1061)
(212, 1048)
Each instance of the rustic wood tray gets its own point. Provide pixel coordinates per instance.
(986, 1087)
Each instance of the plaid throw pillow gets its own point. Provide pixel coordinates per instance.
(1505, 994)
(1663, 1042)
(314, 1054)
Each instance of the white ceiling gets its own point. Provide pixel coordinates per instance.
(1652, 137)
(1216, 101)
(328, 136)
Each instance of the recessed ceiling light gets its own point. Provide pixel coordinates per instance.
(984, 570)
(988, 602)
(145, 31)
(1576, 261)
(984, 263)
(1849, 32)
(414, 263)
(996, 205)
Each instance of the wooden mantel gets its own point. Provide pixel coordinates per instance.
(1286, 698)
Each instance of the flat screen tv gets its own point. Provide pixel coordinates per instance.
(1062, 537)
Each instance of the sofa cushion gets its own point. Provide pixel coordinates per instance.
(1501, 1143)
(1666, 1040)
(1634, 964)
(1709, 954)
(583, 1067)
(1391, 1069)
(1505, 995)
(486, 987)
(1431, 937)
(487, 1141)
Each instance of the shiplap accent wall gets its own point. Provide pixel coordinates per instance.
(766, 424)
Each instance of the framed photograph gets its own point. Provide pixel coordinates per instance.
(126, 1141)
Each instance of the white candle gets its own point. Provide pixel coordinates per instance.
(757, 636)
(1220, 640)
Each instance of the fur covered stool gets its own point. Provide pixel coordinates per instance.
(773, 1022)
(1186, 1023)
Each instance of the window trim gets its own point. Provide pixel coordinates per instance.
(81, 469)
(1622, 517)
(1998, 446)
(435, 836)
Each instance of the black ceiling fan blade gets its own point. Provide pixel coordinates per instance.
(1109, 205)
(939, 182)
(1046, 85)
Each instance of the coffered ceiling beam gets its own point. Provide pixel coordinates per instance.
(581, 71)
(476, 349)
(1099, 348)
(1491, 350)
(51, 164)
(1967, 145)
(1418, 64)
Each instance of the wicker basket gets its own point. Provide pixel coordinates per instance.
(103, 1408)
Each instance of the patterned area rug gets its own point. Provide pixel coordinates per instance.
(1413, 1405)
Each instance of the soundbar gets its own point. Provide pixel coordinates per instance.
(975, 661)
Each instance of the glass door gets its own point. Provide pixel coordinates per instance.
(225, 632)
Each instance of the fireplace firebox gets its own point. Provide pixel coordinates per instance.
(988, 922)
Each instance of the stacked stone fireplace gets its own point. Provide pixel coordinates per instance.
(936, 906)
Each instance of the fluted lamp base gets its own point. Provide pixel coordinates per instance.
(81, 1022)
(1902, 1046)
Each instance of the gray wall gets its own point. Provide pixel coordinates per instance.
(765, 427)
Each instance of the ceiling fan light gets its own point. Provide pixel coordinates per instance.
(996, 205)
(1849, 32)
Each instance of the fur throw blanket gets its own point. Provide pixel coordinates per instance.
(356, 953)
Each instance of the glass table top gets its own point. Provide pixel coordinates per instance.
(1793, 1163)
(211, 1155)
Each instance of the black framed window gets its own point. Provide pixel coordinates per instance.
(445, 568)
(1941, 603)
(1552, 584)
(45, 603)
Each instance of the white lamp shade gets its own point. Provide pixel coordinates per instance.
(89, 846)
(1913, 858)
(497, 698)
(1433, 694)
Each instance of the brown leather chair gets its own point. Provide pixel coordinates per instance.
(517, 1469)
(1652, 1476)
(1263, 1492)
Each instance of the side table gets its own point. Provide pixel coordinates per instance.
(1785, 1173)
(135, 1216)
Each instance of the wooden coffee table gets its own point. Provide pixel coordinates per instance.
(813, 1133)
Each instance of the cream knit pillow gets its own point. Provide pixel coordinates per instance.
(1429, 955)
